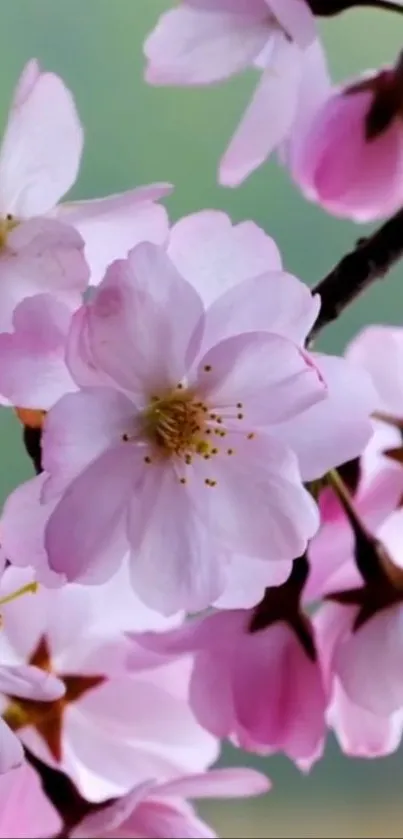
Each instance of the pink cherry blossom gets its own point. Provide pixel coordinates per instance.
(115, 728)
(258, 688)
(349, 157)
(204, 41)
(25, 812)
(39, 162)
(181, 433)
(159, 810)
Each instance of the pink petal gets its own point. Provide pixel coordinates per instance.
(296, 18)
(42, 255)
(196, 44)
(24, 546)
(173, 561)
(78, 429)
(11, 751)
(26, 812)
(337, 428)
(272, 302)
(144, 322)
(361, 733)
(26, 83)
(247, 579)
(379, 350)
(269, 116)
(112, 226)
(110, 818)
(218, 783)
(258, 507)
(33, 372)
(42, 145)
(85, 535)
(214, 255)
(369, 663)
(30, 683)
(278, 693)
(267, 374)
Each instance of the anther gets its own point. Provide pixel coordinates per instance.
(147, 459)
(214, 451)
(239, 405)
(207, 368)
(239, 416)
(182, 480)
(230, 451)
(125, 438)
(250, 436)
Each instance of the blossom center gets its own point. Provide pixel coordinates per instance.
(175, 423)
(7, 224)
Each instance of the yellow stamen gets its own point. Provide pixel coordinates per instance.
(30, 588)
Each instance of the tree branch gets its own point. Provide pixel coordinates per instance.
(372, 258)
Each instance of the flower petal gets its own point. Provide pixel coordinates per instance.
(197, 44)
(37, 816)
(85, 535)
(112, 226)
(271, 378)
(272, 302)
(79, 428)
(258, 506)
(144, 322)
(214, 255)
(218, 783)
(42, 146)
(269, 116)
(337, 428)
(30, 683)
(33, 371)
(11, 751)
(173, 562)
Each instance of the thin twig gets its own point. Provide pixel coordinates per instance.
(369, 261)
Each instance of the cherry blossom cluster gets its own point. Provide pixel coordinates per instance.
(210, 548)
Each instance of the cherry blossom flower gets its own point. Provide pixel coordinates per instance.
(258, 686)
(114, 728)
(184, 436)
(349, 157)
(25, 811)
(159, 810)
(204, 41)
(39, 162)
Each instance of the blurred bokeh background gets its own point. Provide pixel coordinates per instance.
(136, 134)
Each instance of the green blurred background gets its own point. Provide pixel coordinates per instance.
(136, 134)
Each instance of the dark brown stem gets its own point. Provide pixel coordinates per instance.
(369, 261)
(328, 8)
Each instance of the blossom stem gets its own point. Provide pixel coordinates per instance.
(370, 260)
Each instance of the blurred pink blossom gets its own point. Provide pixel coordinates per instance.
(159, 809)
(25, 812)
(201, 42)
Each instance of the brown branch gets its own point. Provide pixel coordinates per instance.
(328, 8)
(369, 261)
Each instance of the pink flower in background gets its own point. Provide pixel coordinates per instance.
(258, 688)
(33, 370)
(159, 809)
(204, 41)
(363, 727)
(349, 158)
(25, 812)
(114, 728)
(39, 162)
(174, 460)
(331, 552)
